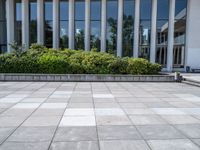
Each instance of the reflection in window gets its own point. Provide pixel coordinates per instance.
(33, 21)
(95, 24)
(128, 27)
(79, 24)
(3, 34)
(162, 31)
(48, 23)
(18, 22)
(179, 32)
(112, 12)
(64, 13)
(145, 29)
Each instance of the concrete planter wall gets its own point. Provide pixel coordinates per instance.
(86, 78)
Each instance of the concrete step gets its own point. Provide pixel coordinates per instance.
(191, 82)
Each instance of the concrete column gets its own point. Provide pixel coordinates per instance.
(40, 21)
(136, 28)
(87, 25)
(71, 24)
(56, 24)
(153, 32)
(103, 26)
(170, 36)
(10, 22)
(120, 28)
(25, 23)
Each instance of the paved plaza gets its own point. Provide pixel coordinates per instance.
(99, 116)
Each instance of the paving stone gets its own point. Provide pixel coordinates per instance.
(48, 112)
(42, 121)
(32, 134)
(78, 121)
(107, 105)
(5, 132)
(159, 132)
(196, 141)
(147, 119)
(133, 105)
(139, 111)
(118, 133)
(123, 145)
(168, 111)
(113, 120)
(79, 112)
(81, 145)
(179, 144)
(76, 134)
(33, 100)
(11, 121)
(80, 105)
(25, 146)
(26, 106)
(53, 105)
(109, 112)
(191, 131)
(103, 96)
(178, 119)
(12, 112)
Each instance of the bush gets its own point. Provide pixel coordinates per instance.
(39, 59)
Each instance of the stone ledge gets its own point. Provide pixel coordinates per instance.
(85, 78)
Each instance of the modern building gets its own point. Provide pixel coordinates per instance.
(163, 31)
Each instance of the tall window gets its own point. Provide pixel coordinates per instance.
(3, 34)
(64, 14)
(95, 24)
(112, 13)
(18, 22)
(48, 9)
(128, 27)
(162, 31)
(33, 21)
(179, 32)
(145, 28)
(79, 24)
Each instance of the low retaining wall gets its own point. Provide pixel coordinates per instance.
(86, 78)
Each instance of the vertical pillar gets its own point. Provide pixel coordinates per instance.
(120, 28)
(103, 26)
(25, 23)
(10, 22)
(71, 24)
(170, 36)
(153, 32)
(40, 21)
(136, 28)
(87, 25)
(55, 23)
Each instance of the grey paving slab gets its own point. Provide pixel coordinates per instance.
(7, 121)
(75, 134)
(118, 133)
(113, 120)
(147, 119)
(191, 131)
(81, 145)
(32, 134)
(25, 146)
(5, 132)
(178, 119)
(159, 132)
(179, 144)
(124, 145)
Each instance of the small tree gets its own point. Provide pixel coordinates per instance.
(17, 49)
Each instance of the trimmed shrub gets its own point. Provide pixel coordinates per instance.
(39, 59)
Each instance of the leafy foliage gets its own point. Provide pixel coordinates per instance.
(39, 59)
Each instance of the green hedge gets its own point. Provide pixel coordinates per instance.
(39, 59)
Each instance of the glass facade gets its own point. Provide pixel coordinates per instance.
(162, 31)
(95, 14)
(18, 22)
(179, 32)
(128, 27)
(48, 26)
(79, 24)
(112, 13)
(33, 21)
(3, 35)
(145, 28)
(64, 14)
